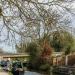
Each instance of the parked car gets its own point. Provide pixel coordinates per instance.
(5, 65)
(17, 68)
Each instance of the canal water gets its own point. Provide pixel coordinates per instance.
(35, 73)
(32, 73)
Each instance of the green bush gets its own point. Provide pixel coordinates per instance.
(45, 67)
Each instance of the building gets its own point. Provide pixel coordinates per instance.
(11, 56)
(57, 58)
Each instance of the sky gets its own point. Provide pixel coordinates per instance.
(7, 48)
(10, 48)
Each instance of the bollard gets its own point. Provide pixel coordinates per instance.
(51, 70)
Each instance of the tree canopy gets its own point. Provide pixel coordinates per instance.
(31, 18)
(62, 41)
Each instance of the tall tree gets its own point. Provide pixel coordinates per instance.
(62, 41)
(30, 18)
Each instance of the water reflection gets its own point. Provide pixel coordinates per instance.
(60, 74)
(31, 73)
(35, 73)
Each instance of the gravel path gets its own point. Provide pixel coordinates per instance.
(4, 73)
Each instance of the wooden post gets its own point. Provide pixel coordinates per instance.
(66, 60)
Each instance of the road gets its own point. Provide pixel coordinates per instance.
(4, 73)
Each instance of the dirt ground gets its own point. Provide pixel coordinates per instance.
(4, 73)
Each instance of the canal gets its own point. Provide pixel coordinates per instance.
(31, 73)
(35, 73)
